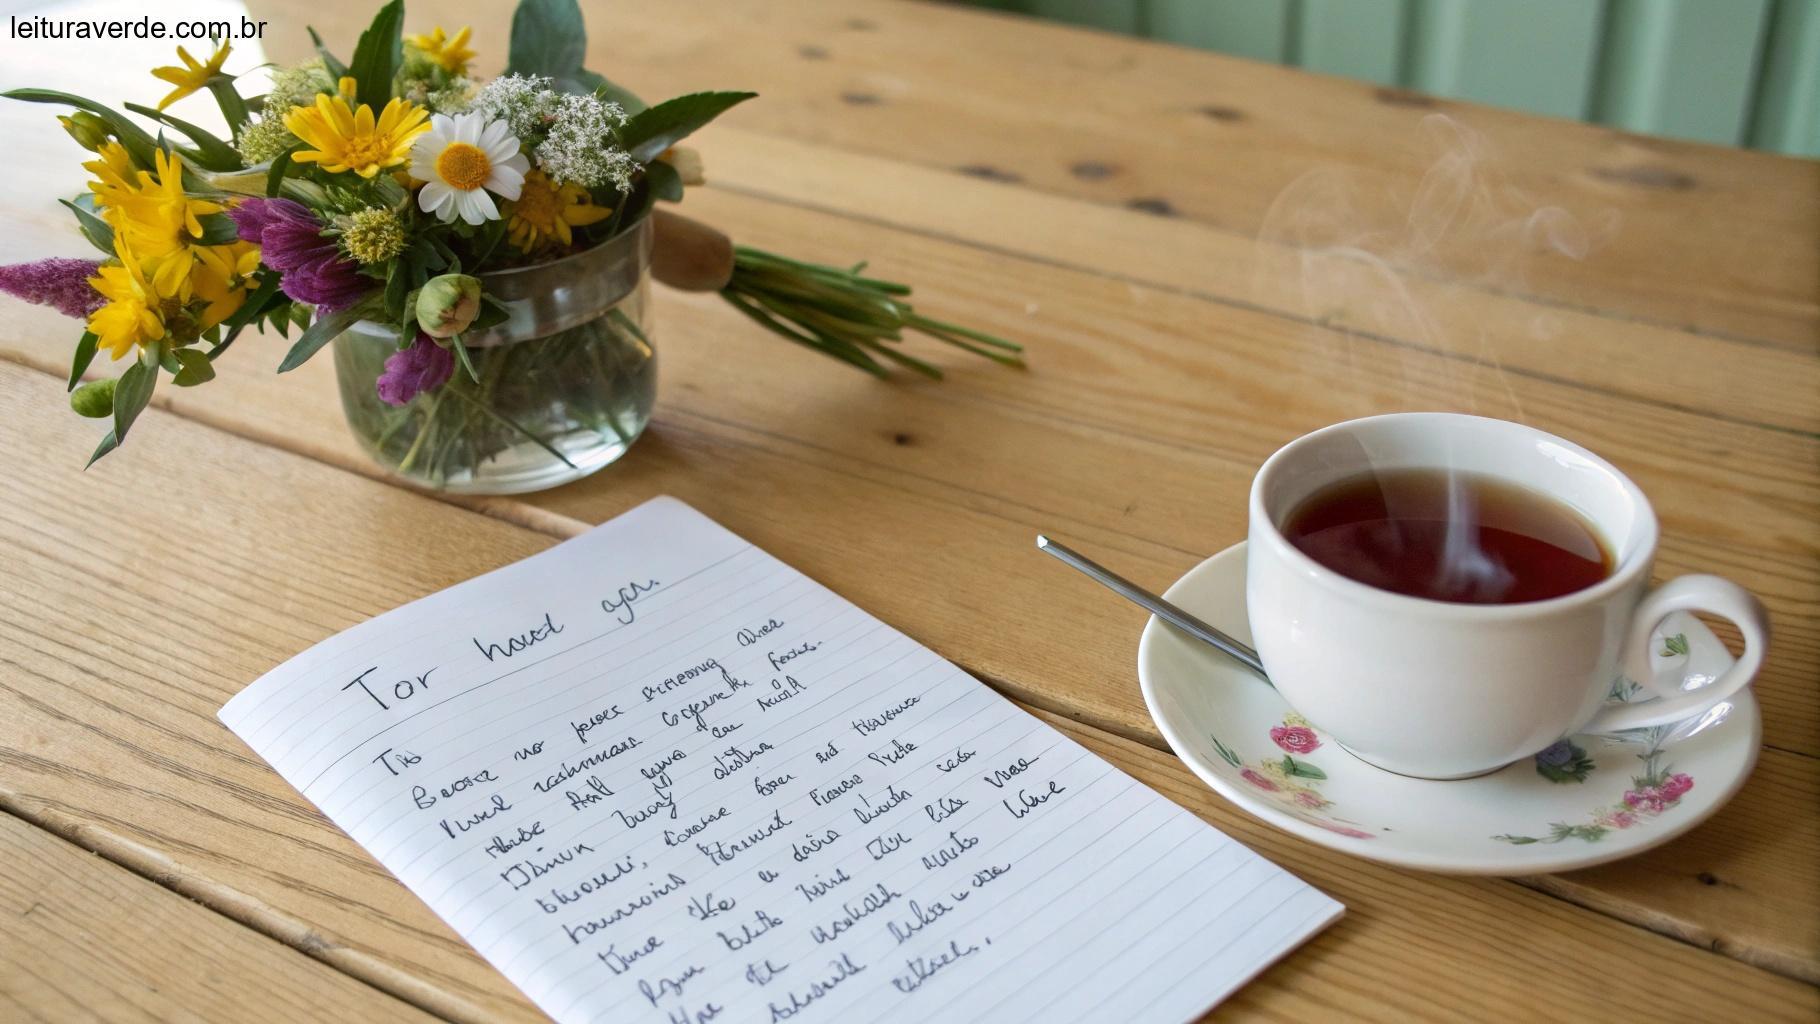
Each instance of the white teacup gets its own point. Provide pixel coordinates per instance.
(1442, 690)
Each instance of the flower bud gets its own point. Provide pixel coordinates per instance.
(687, 162)
(448, 304)
(94, 399)
(89, 131)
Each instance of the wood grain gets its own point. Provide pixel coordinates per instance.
(1138, 428)
(1721, 241)
(88, 940)
(739, 432)
(107, 735)
(1466, 321)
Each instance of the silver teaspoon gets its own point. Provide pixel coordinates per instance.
(1162, 609)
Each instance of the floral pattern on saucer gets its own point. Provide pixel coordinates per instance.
(1288, 780)
(1566, 761)
(1658, 789)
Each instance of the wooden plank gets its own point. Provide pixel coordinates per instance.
(111, 737)
(1721, 241)
(89, 940)
(1686, 70)
(1175, 254)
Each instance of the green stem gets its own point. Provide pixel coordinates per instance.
(501, 418)
(923, 323)
(429, 419)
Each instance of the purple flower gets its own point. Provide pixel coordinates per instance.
(60, 283)
(409, 372)
(1559, 754)
(291, 242)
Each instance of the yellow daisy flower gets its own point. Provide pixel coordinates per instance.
(223, 276)
(161, 221)
(116, 181)
(134, 314)
(546, 211)
(451, 53)
(347, 139)
(191, 76)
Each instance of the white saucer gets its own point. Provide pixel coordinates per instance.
(1589, 800)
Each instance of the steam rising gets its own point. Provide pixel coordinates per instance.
(1357, 257)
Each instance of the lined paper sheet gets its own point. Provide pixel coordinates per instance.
(655, 774)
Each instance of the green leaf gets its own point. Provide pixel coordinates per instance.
(211, 153)
(378, 55)
(549, 37)
(233, 107)
(396, 285)
(1517, 840)
(98, 232)
(85, 354)
(218, 229)
(407, 322)
(196, 368)
(1226, 753)
(656, 129)
(664, 182)
(1673, 645)
(330, 63)
(131, 394)
(137, 141)
(108, 444)
(461, 356)
(582, 81)
(1302, 769)
(94, 399)
(631, 211)
(492, 314)
(319, 334)
(274, 178)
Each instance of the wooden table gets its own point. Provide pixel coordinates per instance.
(1094, 197)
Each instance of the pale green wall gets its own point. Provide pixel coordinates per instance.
(1737, 72)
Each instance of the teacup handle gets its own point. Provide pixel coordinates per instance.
(1697, 593)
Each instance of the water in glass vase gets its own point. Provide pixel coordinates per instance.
(559, 391)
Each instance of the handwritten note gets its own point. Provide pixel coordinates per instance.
(655, 774)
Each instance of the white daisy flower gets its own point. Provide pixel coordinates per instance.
(462, 158)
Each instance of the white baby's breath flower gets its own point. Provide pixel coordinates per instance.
(526, 103)
(573, 137)
(582, 145)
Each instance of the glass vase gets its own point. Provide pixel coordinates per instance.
(560, 389)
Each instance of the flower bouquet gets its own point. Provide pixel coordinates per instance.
(478, 253)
